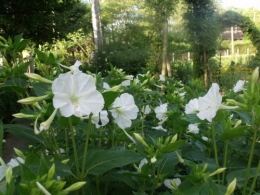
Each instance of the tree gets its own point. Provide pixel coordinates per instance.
(40, 20)
(162, 11)
(96, 24)
(203, 27)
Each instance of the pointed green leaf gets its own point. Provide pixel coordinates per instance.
(99, 162)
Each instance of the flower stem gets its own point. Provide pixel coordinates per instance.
(214, 141)
(249, 162)
(74, 147)
(89, 130)
(255, 177)
(225, 161)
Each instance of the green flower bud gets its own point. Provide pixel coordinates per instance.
(174, 138)
(231, 187)
(218, 171)
(8, 174)
(37, 77)
(42, 188)
(179, 157)
(19, 153)
(51, 172)
(238, 123)
(140, 139)
(32, 100)
(22, 115)
(46, 124)
(254, 78)
(65, 161)
(75, 186)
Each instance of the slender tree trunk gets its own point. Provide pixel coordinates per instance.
(96, 24)
(207, 70)
(166, 67)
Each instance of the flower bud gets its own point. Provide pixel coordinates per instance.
(8, 174)
(218, 171)
(174, 138)
(238, 123)
(65, 161)
(46, 124)
(19, 153)
(51, 172)
(37, 77)
(22, 115)
(31, 100)
(231, 187)
(140, 139)
(75, 186)
(2, 162)
(254, 78)
(179, 158)
(153, 160)
(42, 188)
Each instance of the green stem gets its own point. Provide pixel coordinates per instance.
(89, 130)
(66, 142)
(249, 162)
(255, 178)
(225, 161)
(74, 147)
(215, 146)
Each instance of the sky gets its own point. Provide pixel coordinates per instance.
(241, 3)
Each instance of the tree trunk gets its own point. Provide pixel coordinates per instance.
(96, 24)
(207, 71)
(166, 67)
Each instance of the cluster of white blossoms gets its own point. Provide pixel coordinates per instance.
(75, 94)
(207, 106)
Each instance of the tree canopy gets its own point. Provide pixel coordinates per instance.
(41, 20)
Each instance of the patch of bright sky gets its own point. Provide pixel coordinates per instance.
(241, 3)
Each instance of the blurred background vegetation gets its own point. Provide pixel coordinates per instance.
(181, 37)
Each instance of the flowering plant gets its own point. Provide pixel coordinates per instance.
(101, 135)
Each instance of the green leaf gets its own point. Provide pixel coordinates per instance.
(27, 174)
(40, 89)
(172, 146)
(21, 45)
(109, 97)
(240, 176)
(12, 88)
(233, 133)
(99, 162)
(24, 132)
(42, 57)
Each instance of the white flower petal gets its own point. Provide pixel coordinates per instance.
(239, 86)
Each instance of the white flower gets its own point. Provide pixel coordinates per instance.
(161, 111)
(123, 110)
(239, 86)
(125, 83)
(192, 107)
(210, 103)
(161, 78)
(14, 162)
(182, 94)
(142, 163)
(193, 128)
(172, 184)
(153, 160)
(106, 86)
(160, 128)
(76, 94)
(137, 77)
(100, 119)
(205, 138)
(128, 81)
(146, 109)
(73, 68)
